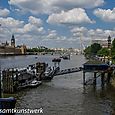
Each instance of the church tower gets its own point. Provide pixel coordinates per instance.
(13, 41)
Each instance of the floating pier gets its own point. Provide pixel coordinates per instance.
(14, 79)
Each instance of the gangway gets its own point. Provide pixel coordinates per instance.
(70, 70)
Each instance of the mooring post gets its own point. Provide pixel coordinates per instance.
(84, 78)
(94, 82)
(55, 64)
(109, 75)
(102, 78)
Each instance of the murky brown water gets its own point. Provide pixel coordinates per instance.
(65, 94)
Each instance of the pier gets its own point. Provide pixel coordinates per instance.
(15, 79)
(70, 70)
(99, 69)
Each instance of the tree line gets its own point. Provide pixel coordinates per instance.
(39, 50)
(97, 49)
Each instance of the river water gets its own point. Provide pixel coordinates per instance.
(65, 94)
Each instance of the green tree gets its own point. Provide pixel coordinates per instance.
(103, 52)
(87, 51)
(113, 44)
(113, 49)
(95, 48)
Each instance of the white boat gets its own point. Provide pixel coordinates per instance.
(48, 71)
(35, 83)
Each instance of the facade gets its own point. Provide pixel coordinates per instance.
(103, 43)
(6, 49)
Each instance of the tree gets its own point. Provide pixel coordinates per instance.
(113, 44)
(103, 52)
(87, 51)
(113, 49)
(95, 48)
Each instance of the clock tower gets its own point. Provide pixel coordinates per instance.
(13, 41)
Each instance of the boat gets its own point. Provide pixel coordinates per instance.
(35, 83)
(56, 60)
(49, 74)
(66, 57)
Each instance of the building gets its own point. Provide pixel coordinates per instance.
(6, 49)
(103, 43)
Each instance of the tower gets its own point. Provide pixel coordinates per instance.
(109, 42)
(13, 41)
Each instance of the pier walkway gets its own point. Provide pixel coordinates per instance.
(70, 70)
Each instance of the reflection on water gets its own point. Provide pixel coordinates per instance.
(65, 94)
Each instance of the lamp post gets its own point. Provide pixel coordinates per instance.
(109, 48)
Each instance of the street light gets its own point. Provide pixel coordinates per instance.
(109, 48)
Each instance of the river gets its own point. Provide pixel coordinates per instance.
(65, 94)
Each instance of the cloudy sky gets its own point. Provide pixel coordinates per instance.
(56, 23)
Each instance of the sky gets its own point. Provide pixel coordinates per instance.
(56, 23)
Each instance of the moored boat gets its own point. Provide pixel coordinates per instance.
(35, 83)
(56, 60)
(65, 57)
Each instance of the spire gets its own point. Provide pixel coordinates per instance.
(13, 41)
(109, 38)
(13, 36)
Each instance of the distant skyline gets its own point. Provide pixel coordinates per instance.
(56, 23)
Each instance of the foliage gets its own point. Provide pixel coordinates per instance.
(103, 52)
(95, 48)
(113, 44)
(40, 50)
(113, 49)
(92, 50)
(88, 51)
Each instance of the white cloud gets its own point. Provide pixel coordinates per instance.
(88, 34)
(10, 26)
(4, 12)
(32, 28)
(49, 6)
(35, 21)
(52, 34)
(106, 15)
(74, 16)
(10, 22)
